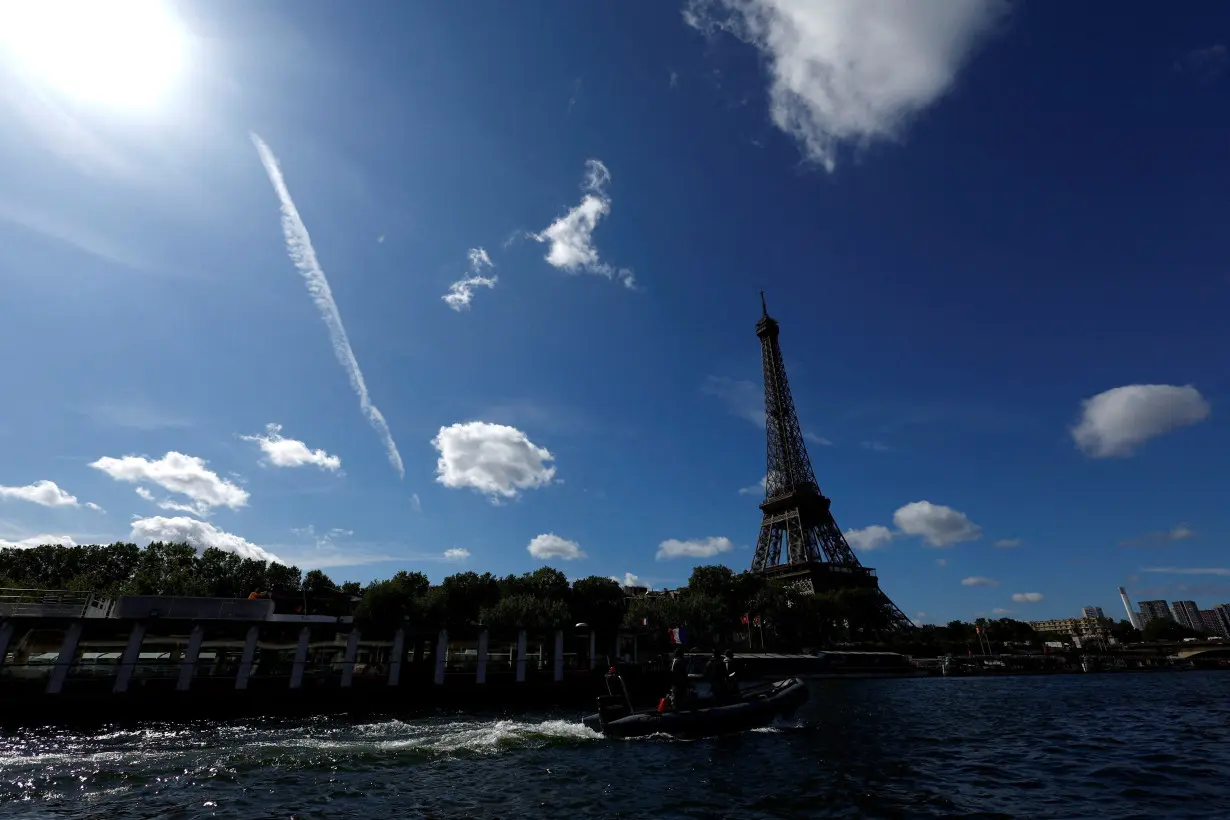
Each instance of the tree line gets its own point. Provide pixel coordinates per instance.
(717, 607)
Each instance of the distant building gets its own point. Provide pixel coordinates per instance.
(1217, 620)
(1083, 627)
(1213, 624)
(1154, 611)
(1188, 614)
(1092, 612)
(1133, 618)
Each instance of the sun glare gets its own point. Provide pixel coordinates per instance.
(123, 53)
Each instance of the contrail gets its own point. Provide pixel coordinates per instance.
(299, 246)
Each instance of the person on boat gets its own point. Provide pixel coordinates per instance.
(679, 679)
(715, 674)
(731, 679)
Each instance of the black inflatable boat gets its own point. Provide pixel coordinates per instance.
(757, 707)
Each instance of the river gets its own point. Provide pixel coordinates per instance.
(1070, 746)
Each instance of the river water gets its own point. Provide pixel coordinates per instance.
(1072, 746)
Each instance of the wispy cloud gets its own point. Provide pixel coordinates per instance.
(1189, 570)
(299, 246)
(572, 235)
(1180, 532)
(815, 439)
(462, 291)
(979, 581)
(876, 446)
(741, 397)
(1027, 597)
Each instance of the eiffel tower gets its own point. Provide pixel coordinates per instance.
(796, 513)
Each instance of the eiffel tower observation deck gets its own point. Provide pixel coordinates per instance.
(799, 541)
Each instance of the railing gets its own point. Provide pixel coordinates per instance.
(35, 603)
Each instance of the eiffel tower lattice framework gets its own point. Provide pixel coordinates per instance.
(797, 520)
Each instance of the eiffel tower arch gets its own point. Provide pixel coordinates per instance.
(800, 542)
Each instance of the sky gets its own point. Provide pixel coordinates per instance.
(442, 287)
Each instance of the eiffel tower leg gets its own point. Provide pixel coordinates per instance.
(768, 547)
(796, 541)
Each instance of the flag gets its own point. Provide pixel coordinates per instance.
(756, 620)
(678, 635)
(978, 629)
(744, 619)
(644, 622)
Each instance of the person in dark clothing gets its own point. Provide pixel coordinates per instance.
(715, 674)
(679, 679)
(730, 682)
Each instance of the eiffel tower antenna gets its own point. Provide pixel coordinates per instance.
(796, 513)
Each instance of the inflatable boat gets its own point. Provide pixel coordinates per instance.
(757, 706)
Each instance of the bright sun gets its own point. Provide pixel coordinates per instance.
(124, 53)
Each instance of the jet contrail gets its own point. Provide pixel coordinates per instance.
(299, 246)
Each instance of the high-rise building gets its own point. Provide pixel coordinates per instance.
(1216, 623)
(1133, 618)
(1092, 612)
(1154, 611)
(1188, 614)
(1217, 620)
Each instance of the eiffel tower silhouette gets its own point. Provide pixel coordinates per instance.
(796, 514)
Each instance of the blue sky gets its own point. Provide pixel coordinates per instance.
(994, 236)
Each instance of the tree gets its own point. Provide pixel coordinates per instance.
(388, 604)
(598, 601)
(317, 581)
(1164, 629)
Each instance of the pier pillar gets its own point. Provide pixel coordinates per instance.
(399, 650)
(187, 666)
(296, 671)
(521, 656)
(128, 661)
(593, 650)
(352, 649)
(559, 655)
(441, 656)
(68, 652)
(480, 674)
(6, 635)
(245, 660)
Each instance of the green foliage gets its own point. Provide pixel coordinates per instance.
(317, 581)
(1164, 629)
(599, 602)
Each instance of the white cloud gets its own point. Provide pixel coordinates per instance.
(1189, 571)
(199, 534)
(462, 291)
(1027, 597)
(494, 459)
(851, 72)
(549, 545)
(876, 446)
(415, 504)
(1180, 532)
(939, 526)
(815, 439)
(571, 236)
(93, 506)
(177, 473)
(754, 489)
(479, 259)
(1115, 422)
(44, 493)
(289, 452)
(979, 581)
(1008, 543)
(696, 548)
(1001, 611)
(869, 538)
(299, 246)
(629, 580)
(456, 554)
(38, 541)
(941, 562)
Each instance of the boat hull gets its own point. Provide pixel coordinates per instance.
(758, 709)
